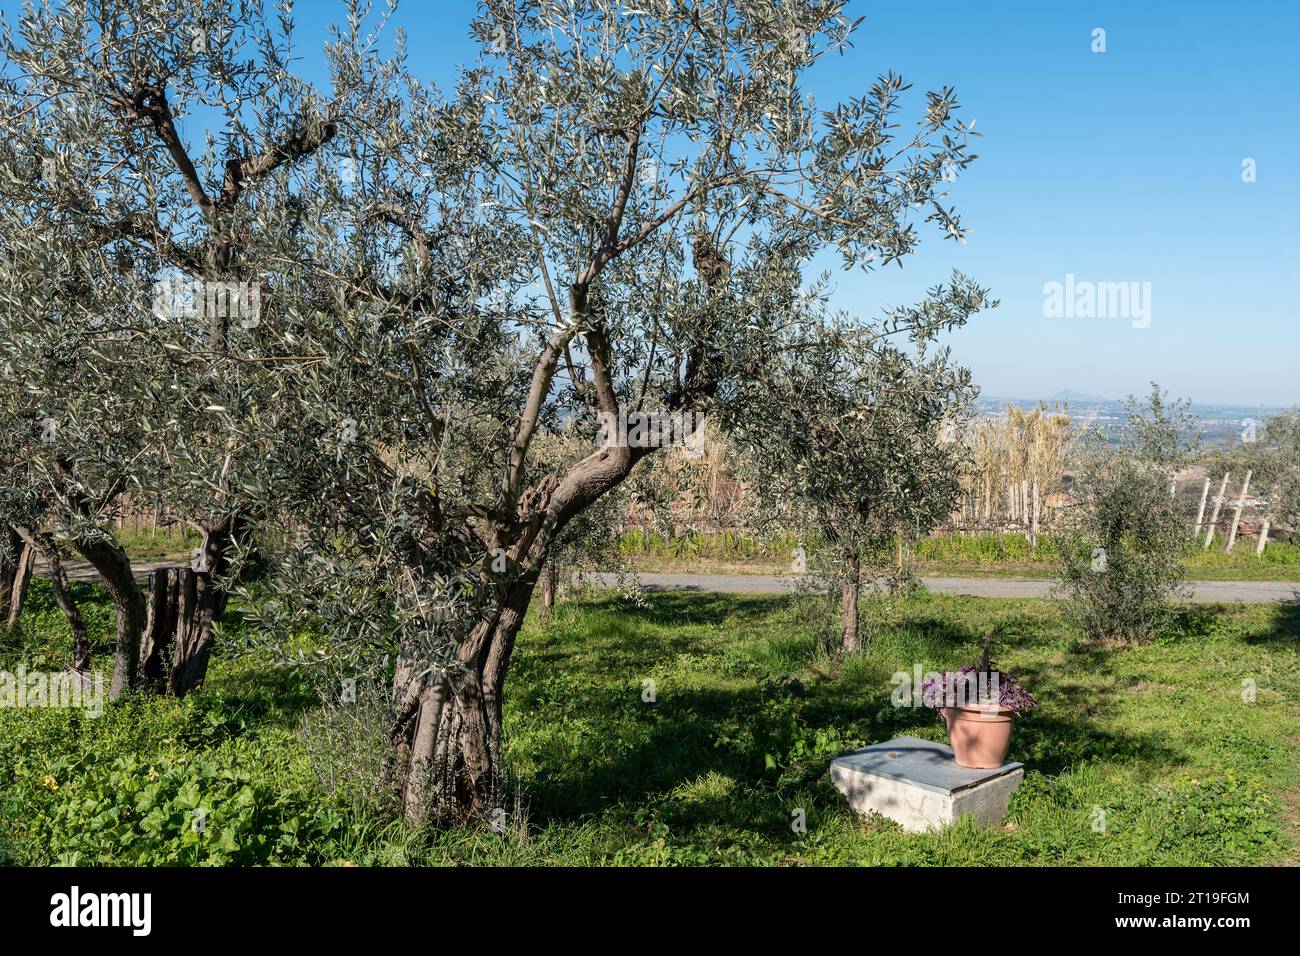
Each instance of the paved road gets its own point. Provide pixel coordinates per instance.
(1204, 592)
(83, 571)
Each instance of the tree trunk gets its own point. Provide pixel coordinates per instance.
(176, 643)
(11, 555)
(114, 567)
(16, 558)
(38, 542)
(180, 614)
(444, 756)
(550, 585)
(159, 630)
(849, 605)
(444, 740)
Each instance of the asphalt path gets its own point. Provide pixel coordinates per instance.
(1203, 592)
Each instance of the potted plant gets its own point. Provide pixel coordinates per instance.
(980, 706)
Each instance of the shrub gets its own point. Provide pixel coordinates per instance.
(1122, 558)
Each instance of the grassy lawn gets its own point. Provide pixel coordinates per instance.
(984, 555)
(1214, 567)
(747, 712)
(1005, 556)
(145, 544)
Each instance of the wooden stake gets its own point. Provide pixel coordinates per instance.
(1033, 541)
(1236, 516)
(1218, 503)
(1200, 512)
(1263, 538)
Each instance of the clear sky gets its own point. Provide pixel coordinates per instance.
(1122, 166)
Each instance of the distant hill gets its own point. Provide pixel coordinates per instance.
(1078, 401)
(1219, 425)
(1077, 398)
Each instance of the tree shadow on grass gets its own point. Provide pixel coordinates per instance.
(1065, 730)
(239, 699)
(688, 608)
(635, 758)
(1052, 744)
(637, 755)
(1284, 627)
(930, 635)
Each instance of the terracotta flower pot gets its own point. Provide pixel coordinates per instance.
(979, 738)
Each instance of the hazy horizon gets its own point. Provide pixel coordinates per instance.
(1084, 396)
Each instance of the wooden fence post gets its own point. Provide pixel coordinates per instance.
(1263, 538)
(1200, 512)
(1218, 503)
(1236, 515)
(1033, 524)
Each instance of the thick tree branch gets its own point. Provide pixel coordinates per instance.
(601, 368)
(149, 103)
(139, 227)
(241, 172)
(395, 215)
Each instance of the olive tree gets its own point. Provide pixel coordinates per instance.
(1122, 553)
(49, 502)
(66, 433)
(608, 215)
(859, 433)
(151, 150)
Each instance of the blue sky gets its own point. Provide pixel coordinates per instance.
(1122, 166)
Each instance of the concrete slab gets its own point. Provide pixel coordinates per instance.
(917, 783)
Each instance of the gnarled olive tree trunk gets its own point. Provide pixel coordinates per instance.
(444, 753)
(182, 607)
(164, 641)
(45, 546)
(113, 564)
(16, 560)
(445, 738)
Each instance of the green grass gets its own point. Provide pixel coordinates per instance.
(729, 552)
(719, 552)
(977, 555)
(747, 713)
(143, 542)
